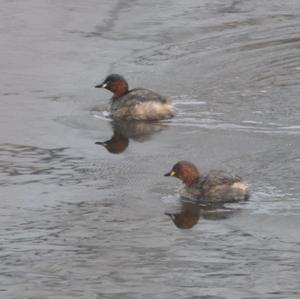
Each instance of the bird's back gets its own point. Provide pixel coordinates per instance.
(141, 104)
(217, 187)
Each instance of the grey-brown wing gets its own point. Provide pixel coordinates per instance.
(140, 95)
(218, 178)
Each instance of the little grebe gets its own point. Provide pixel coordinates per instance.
(213, 188)
(135, 104)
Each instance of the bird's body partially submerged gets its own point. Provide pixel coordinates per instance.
(214, 188)
(136, 104)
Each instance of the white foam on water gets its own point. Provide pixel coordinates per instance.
(105, 115)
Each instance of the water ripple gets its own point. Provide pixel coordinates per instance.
(22, 164)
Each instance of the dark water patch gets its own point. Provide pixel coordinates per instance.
(51, 98)
(107, 29)
(270, 43)
(37, 91)
(10, 93)
(21, 164)
(216, 38)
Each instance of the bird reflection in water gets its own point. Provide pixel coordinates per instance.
(187, 213)
(123, 131)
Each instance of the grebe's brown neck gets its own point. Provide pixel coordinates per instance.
(118, 88)
(188, 175)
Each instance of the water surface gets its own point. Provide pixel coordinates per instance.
(78, 221)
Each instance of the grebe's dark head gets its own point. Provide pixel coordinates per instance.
(116, 84)
(185, 171)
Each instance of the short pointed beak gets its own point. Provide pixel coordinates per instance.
(172, 216)
(102, 85)
(101, 143)
(171, 173)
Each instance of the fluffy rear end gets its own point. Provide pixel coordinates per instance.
(223, 193)
(145, 111)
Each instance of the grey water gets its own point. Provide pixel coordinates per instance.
(83, 220)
